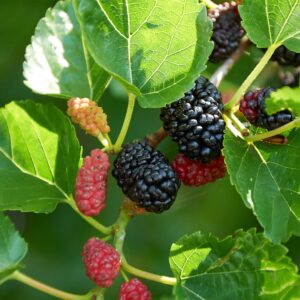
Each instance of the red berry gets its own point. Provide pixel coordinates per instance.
(249, 106)
(91, 183)
(102, 262)
(134, 290)
(88, 115)
(195, 173)
(253, 106)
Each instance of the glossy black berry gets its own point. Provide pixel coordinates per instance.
(286, 57)
(227, 30)
(195, 122)
(133, 156)
(155, 187)
(146, 177)
(253, 106)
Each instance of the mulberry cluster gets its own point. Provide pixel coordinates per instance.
(91, 183)
(286, 57)
(227, 30)
(134, 290)
(88, 115)
(194, 173)
(146, 177)
(102, 262)
(195, 122)
(253, 107)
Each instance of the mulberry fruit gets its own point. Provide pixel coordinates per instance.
(134, 290)
(253, 107)
(91, 183)
(286, 57)
(102, 262)
(88, 115)
(227, 30)
(194, 173)
(195, 122)
(146, 177)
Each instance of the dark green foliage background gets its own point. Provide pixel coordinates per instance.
(55, 240)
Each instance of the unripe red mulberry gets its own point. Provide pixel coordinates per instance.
(253, 106)
(134, 290)
(102, 262)
(195, 173)
(88, 115)
(91, 183)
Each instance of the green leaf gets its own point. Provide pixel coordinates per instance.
(267, 178)
(276, 22)
(39, 157)
(12, 248)
(243, 266)
(57, 61)
(284, 98)
(156, 48)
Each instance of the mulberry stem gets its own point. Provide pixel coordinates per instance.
(103, 140)
(253, 75)
(146, 275)
(120, 230)
(120, 233)
(48, 289)
(239, 124)
(123, 132)
(105, 230)
(210, 4)
(279, 130)
(231, 127)
(157, 137)
(110, 145)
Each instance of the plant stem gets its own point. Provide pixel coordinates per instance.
(120, 230)
(124, 275)
(224, 69)
(210, 4)
(120, 233)
(155, 138)
(231, 127)
(268, 134)
(253, 75)
(146, 275)
(105, 230)
(48, 289)
(239, 124)
(110, 145)
(126, 123)
(103, 140)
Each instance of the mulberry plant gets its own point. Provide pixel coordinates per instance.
(200, 129)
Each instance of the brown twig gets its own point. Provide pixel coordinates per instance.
(223, 70)
(156, 137)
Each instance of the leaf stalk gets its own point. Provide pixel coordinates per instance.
(126, 123)
(271, 133)
(252, 76)
(48, 289)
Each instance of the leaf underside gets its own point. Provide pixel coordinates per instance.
(57, 61)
